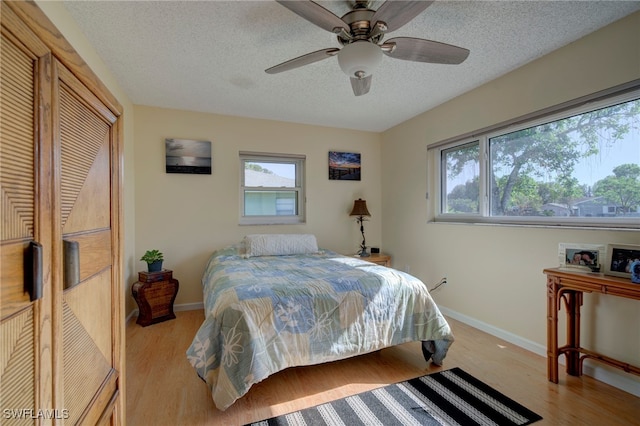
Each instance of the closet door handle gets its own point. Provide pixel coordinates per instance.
(35, 260)
(71, 263)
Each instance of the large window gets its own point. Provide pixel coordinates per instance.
(579, 167)
(272, 189)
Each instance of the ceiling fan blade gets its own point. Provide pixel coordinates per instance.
(361, 86)
(315, 14)
(307, 59)
(398, 13)
(420, 50)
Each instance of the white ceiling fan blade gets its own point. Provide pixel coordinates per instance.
(307, 59)
(395, 14)
(421, 50)
(361, 86)
(315, 14)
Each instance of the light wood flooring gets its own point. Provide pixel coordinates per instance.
(163, 389)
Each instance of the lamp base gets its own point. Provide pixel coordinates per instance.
(364, 253)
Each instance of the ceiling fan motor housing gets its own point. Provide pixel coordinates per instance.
(359, 21)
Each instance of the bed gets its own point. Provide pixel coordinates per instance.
(277, 301)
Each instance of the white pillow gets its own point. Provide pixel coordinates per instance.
(279, 244)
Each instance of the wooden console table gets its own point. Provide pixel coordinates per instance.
(567, 287)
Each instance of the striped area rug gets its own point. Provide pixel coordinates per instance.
(451, 397)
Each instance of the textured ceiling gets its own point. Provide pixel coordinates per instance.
(210, 56)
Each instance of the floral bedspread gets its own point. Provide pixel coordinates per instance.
(265, 314)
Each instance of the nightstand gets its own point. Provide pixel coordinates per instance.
(378, 258)
(155, 293)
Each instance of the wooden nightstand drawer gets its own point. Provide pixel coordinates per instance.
(152, 277)
(379, 259)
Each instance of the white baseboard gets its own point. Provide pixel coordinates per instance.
(176, 308)
(495, 331)
(189, 307)
(611, 377)
(133, 314)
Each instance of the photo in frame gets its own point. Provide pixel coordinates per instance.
(187, 156)
(344, 165)
(623, 260)
(587, 257)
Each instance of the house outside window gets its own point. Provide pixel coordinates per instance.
(580, 166)
(272, 189)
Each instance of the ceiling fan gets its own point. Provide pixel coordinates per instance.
(360, 31)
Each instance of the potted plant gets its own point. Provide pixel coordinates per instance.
(154, 260)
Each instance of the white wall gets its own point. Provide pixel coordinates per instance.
(187, 217)
(495, 272)
(59, 16)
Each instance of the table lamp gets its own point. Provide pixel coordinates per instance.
(360, 211)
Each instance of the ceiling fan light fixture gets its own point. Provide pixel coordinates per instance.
(360, 58)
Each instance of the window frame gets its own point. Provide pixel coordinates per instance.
(621, 94)
(299, 188)
(442, 199)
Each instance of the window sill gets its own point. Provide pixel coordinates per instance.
(533, 224)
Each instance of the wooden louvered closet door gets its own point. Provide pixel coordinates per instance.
(85, 143)
(25, 178)
(60, 230)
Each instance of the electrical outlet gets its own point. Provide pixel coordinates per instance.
(407, 269)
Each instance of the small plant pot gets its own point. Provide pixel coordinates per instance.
(155, 266)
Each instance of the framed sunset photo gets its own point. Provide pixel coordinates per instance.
(344, 165)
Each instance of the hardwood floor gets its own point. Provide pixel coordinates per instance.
(163, 389)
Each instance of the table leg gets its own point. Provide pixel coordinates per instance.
(574, 301)
(552, 329)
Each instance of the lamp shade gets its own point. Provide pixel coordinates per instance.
(359, 58)
(360, 208)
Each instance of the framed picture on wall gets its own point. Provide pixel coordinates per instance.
(187, 156)
(623, 260)
(587, 257)
(344, 165)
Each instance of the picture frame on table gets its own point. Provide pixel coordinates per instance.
(622, 260)
(586, 257)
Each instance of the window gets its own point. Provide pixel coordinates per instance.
(272, 189)
(461, 182)
(579, 167)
